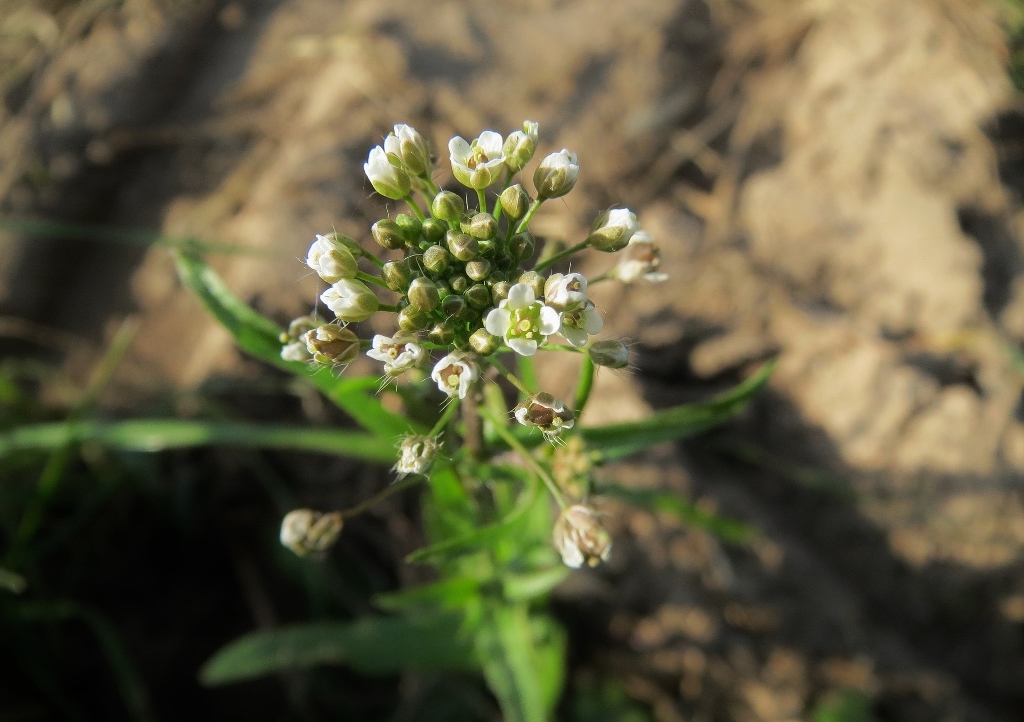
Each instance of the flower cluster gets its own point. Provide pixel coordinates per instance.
(466, 281)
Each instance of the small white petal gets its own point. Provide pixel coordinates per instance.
(522, 346)
(459, 149)
(498, 322)
(592, 323)
(491, 143)
(549, 320)
(572, 556)
(575, 336)
(520, 296)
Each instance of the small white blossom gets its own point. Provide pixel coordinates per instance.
(416, 455)
(331, 259)
(407, 147)
(580, 538)
(556, 175)
(351, 301)
(385, 177)
(565, 292)
(455, 374)
(399, 353)
(612, 230)
(578, 325)
(480, 163)
(296, 351)
(640, 259)
(522, 320)
(547, 413)
(305, 531)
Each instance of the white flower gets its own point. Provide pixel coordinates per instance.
(556, 174)
(305, 531)
(416, 455)
(578, 325)
(351, 301)
(641, 259)
(565, 292)
(580, 538)
(398, 353)
(520, 146)
(387, 179)
(479, 164)
(522, 320)
(547, 413)
(331, 259)
(407, 147)
(612, 230)
(455, 373)
(295, 351)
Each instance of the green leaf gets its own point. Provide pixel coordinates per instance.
(449, 593)
(381, 645)
(11, 581)
(524, 587)
(665, 501)
(259, 336)
(158, 435)
(618, 440)
(506, 651)
(847, 706)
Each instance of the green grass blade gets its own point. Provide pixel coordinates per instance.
(509, 660)
(618, 440)
(159, 435)
(664, 501)
(382, 645)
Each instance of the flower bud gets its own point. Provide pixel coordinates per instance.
(386, 178)
(436, 260)
(496, 276)
(423, 295)
(612, 230)
(294, 345)
(410, 227)
(479, 269)
(409, 148)
(388, 234)
(556, 174)
(565, 292)
(483, 342)
(332, 345)
(411, 320)
(482, 226)
(459, 283)
(535, 281)
(520, 146)
(416, 455)
(351, 301)
(499, 291)
(478, 296)
(305, 531)
(579, 537)
(442, 333)
(347, 241)
(454, 306)
(522, 245)
(448, 206)
(331, 259)
(434, 230)
(396, 275)
(515, 201)
(547, 413)
(609, 353)
(641, 259)
(463, 246)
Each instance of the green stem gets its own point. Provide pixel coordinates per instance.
(521, 385)
(559, 256)
(497, 201)
(373, 259)
(534, 207)
(370, 279)
(481, 200)
(528, 371)
(388, 307)
(415, 207)
(607, 276)
(559, 347)
(527, 457)
(382, 495)
(445, 418)
(584, 386)
(430, 184)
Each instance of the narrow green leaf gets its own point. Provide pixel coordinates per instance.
(665, 501)
(11, 581)
(505, 647)
(524, 587)
(158, 435)
(382, 645)
(617, 440)
(259, 336)
(449, 594)
(849, 705)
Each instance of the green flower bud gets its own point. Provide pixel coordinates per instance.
(410, 227)
(411, 320)
(454, 306)
(351, 301)
(332, 345)
(463, 246)
(515, 201)
(499, 291)
(522, 245)
(610, 353)
(434, 230)
(448, 206)
(612, 230)
(410, 149)
(535, 281)
(482, 226)
(479, 269)
(458, 282)
(520, 146)
(496, 276)
(556, 174)
(331, 259)
(485, 248)
(347, 241)
(478, 296)
(396, 275)
(483, 342)
(386, 178)
(388, 234)
(423, 295)
(442, 333)
(436, 260)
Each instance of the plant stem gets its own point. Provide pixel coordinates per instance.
(534, 207)
(497, 201)
(529, 458)
(415, 207)
(607, 276)
(559, 256)
(528, 371)
(481, 200)
(388, 307)
(474, 437)
(373, 259)
(522, 386)
(584, 386)
(445, 417)
(382, 495)
(370, 279)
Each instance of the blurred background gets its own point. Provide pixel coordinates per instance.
(833, 183)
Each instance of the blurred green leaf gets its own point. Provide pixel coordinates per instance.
(259, 336)
(618, 440)
(506, 651)
(158, 435)
(448, 593)
(382, 645)
(846, 706)
(665, 501)
(524, 587)
(12, 582)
